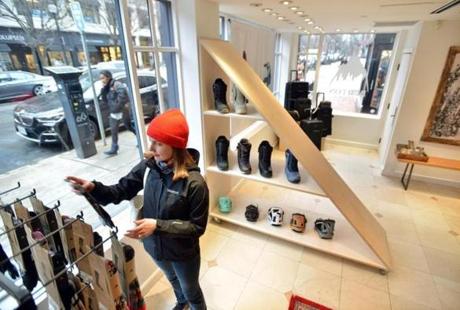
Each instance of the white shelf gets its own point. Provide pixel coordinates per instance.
(346, 242)
(252, 114)
(306, 185)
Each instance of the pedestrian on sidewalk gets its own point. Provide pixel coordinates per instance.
(115, 95)
(175, 209)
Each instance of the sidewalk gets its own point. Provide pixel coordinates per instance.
(47, 176)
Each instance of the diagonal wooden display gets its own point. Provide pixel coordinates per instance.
(247, 80)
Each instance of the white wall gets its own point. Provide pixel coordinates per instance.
(196, 18)
(428, 63)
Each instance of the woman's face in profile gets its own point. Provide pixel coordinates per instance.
(161, 151)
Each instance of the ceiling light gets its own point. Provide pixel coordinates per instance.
(281, 17)
(299, 12)
(355, 30)
(300, 28)
(307, 19)
(294, 8)
(372, 31)
(267, 10)
(338, 30)
(317, 27)
(286, 2)
(306, 31)
(274, 14)
(310, 22)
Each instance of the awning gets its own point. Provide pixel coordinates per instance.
(4, 48)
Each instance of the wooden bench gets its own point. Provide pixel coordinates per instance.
(432, 162)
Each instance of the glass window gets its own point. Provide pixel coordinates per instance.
(163, 23)
(140, 22)
(20, 76)
(4, 77)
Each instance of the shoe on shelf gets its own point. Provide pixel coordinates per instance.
(113, 150)
(325, 228)
(265, 154)
(219, 89)
(239, 101)
(291, 169)
(222, 145)
(244, 151)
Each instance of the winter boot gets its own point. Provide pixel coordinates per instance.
(265, 154)
(291, 169)
(244, 150)
(239, 101)
(113, 150)
(219, 89)
(294, 114)
(222, 153)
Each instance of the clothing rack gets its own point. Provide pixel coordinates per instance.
(32, 193)
(11, 189)
(57, 205)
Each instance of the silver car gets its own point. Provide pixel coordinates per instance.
(20, 85)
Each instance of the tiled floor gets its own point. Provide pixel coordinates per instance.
(247, 270)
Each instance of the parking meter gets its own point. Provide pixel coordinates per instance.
(76, 116)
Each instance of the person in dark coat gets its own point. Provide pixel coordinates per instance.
(175, 208)
(115, 95)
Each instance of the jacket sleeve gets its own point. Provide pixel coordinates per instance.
(198, 199)
(122, 93)
(127, 187)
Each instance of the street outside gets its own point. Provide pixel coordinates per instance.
(15, 151)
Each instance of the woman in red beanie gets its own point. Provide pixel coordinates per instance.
(176, 202)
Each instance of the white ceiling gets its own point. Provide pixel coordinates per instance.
(348, 16)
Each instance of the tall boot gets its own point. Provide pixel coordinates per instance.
(291, 169)
(219, 89)
(244, 151)
(222, 152)
(265, 154)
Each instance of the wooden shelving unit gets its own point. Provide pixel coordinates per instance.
(321, 193)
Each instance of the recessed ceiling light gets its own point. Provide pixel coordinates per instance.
(299, 12)
(317, 27)
(267, 10)
(255, 4)
(274, 14)
(310, 22)
(307, 19)
(338, 30)
(300, 28)
(372, 31)
(286, 2)
(306, 31)
(294, 8)
(281, 17)
(355, 30)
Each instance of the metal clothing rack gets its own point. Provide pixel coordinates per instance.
(23, 297)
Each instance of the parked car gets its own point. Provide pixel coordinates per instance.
(41, 119)
(20, 85)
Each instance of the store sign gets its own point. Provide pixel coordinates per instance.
(77, 14)
(12, 38)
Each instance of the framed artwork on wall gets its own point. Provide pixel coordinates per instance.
(443, 123)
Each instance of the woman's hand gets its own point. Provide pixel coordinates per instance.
(80, 185)
(144, 228)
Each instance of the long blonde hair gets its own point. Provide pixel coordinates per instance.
(182, 161)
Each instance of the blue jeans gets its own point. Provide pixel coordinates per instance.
(183, 276)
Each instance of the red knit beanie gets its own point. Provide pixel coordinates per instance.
(170, 128)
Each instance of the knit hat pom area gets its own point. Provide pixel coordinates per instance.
(170, 128)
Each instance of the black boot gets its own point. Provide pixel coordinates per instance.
(265, 154)
(222, 153)
(219, 89)
(244, 150)
(113, 150)
(294, 114)
(291, 169)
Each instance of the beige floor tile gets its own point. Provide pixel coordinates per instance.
(408, 255)
(318, 286)
(450, 298)
(322, 261)
(449, 205)
(211, 243)
(364, 275)
(422, 201)
(275, 271)
(414, 286)
(222, 288)
(401, 303)
(439, 239)
(358, 296)
(453, 222)
(392, 195)
(203, 267)
(393, 211)
(429, 218)
(284, 248)
(251, 237)
(239, 257)
(443, 264)
(403, 230)
(455, 286)
(161, 296)
(257, 296)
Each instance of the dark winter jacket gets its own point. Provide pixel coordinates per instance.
(180, 207)
(116, 96)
